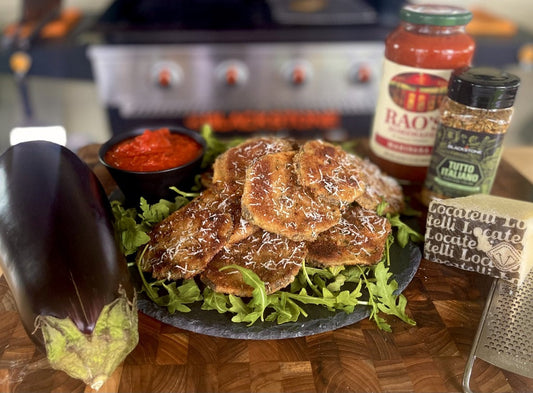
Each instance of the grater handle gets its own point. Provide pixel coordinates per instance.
(472, 357)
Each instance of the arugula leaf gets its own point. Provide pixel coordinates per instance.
(148, 287)
(380, 208)
(215, 301)
(176, 296)
(384, 289)
(132, 226)
(182, 200)
(240, 309)
(354, 273)
(285, 309)
(305, 274)
(152, 214)
(346, 302)
(337, 284)
(188, 292)
(382, 298)
(405, 232)
(350, 146)
(214, 146)
(335, 270)
(131, 235)
(259, 300)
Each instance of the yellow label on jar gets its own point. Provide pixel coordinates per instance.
(407, 113)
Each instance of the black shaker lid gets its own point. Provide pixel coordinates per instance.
(483, 87)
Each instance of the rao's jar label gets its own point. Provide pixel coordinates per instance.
(407, 113)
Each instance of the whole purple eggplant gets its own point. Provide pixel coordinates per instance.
(60, 258)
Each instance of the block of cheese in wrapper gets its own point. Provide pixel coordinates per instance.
(482, 233)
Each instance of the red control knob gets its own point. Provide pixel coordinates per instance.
(166, 74)
(297, 72)
(364, 74)
(232, 76)
(164, 78)
(298, 76)
(361, 73)
(232, 72)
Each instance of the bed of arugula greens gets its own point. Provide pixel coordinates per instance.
(338, 289)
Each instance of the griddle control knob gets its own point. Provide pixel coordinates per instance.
(166, 74)
(298, 72)
(232, 73)
(360, 73)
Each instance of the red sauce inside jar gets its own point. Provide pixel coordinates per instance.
(155, 150)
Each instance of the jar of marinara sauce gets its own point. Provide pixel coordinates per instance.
(420, 55)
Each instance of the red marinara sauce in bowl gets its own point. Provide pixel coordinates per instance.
(146, 162)
(153, 150)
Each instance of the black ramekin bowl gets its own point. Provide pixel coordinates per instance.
(154, 185)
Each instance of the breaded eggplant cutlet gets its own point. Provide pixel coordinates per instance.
(273, 200)
(329, 172)
(332, 173)
(230, 166)
(358, 239)
(182, 245)
(275, 259)
(380, 187)
(229, 171)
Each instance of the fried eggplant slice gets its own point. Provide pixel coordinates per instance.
(330, 172)
(275, 259)
(182, 245)
(229, 172)
(227, 198)
(358, 239)
(242, 228)
(230, 166)
(274, 200)
(380, 187)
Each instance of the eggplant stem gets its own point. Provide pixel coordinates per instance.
(92, 357)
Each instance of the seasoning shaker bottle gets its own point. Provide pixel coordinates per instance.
(420, 55)
(474, 118)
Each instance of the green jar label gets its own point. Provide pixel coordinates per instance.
(463, 162)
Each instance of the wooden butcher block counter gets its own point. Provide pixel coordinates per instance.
(445, 302)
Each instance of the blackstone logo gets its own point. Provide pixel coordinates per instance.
(464, 149)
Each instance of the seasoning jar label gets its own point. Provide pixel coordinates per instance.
(463, 162)
(407, 113)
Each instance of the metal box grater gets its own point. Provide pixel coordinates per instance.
(505, 334)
